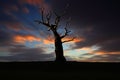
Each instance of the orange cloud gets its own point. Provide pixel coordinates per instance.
(50, 40)
(23, 39)
(75, 40)
(30, 38)
(105, 52)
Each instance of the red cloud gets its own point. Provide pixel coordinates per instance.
(38, 3)
(34, 2)
(14, 26)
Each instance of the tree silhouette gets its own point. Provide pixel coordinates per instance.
(53, 26)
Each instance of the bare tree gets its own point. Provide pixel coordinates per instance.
(53, 26)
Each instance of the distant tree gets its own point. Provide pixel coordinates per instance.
(53, 26)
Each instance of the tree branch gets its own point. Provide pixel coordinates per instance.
(42, 13)
(45, 20)
(69, 40)
(57, 19)
(40, 22)
(48, 17)
(66, 33)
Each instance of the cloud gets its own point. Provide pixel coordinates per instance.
(105, 58)
(25, 10)
(76, 40)
(9, 38)
(10, 7)
(11, 14)
(23, 39)
(5, 38)
(27, 54)
(105, 52)
(69, 58)
(13, 6)
(16, 26)
(16, 51)
(45, 41)
(111, 45)
(107, 39)
(37, 3)
(50, 40)
(12, 24)
(33, 2)
(97, 22)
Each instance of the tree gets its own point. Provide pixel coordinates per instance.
(46, 21)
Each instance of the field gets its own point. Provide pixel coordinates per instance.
(59, 71)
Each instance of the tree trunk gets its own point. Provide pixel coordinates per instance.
(58, 48)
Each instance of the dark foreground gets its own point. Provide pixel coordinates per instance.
(59, 71)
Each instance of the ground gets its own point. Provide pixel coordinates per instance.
(59, 71)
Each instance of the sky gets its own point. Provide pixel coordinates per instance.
(94, 23)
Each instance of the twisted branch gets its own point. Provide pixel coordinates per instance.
(66, 33)
(69, 40)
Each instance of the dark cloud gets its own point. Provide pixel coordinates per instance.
(88, 12)
(105, 58)
(17, 19)
(8, 38)
(22, 53)
(5, 38)
(100, 58)
(96, 21)
(19, 52)
(15, 16)
(28, 57)
(107, 37)
(111, 45)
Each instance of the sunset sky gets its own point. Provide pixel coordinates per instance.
(94, 23)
